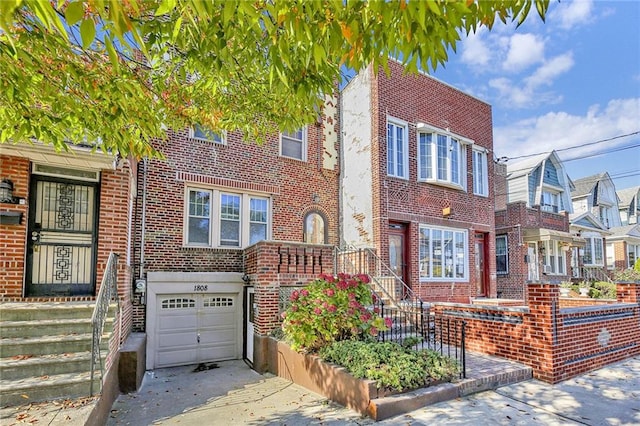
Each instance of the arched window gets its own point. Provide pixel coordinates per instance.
(315, 230)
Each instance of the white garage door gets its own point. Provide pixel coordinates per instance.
(195, 328)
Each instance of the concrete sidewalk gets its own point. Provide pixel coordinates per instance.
(233, 394)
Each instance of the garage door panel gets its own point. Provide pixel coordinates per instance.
(178, 339)
(182, 318)
(177, 357)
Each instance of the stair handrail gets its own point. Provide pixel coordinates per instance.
(380, 267)
(108, 292)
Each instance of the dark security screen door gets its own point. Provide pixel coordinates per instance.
(61, 238)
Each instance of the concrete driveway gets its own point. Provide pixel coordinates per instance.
(233, 394)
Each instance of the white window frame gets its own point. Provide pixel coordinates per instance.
(215, 217)
(610, 255)
(505, 254)
(555, 258)
(393, 162)
(635, 250)
(289, 136)
(593, 242)
(556, 203)
(219, 138)
(429, 163)
(459, 262)
(480, 172)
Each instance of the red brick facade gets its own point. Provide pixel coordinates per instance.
(512, 222)
(112, 232)
(422, 99)
(293, 187)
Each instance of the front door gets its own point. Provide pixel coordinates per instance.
(482, 280)
(61, 239)
(398, 251)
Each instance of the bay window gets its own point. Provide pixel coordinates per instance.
(216, 218)
(443, 254)
(593, 251)
(442, 159)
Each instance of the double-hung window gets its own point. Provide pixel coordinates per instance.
(397, 149)
(294, 144)
(444, 254)
(480, 173)
(550, 202)
(442, 160)
(203, 134)
(502, 255)
(217, 218)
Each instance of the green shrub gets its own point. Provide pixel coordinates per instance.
(603, 290)
(391, 365)
(331, 309)
(630, 274)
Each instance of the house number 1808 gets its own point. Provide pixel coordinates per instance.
(199, 287)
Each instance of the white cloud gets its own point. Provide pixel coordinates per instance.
(524, 51)
(550, 70)
(557, 130)
(475, 51)
(527, 93)
(570, 14)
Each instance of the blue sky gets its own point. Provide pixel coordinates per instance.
(569, 82)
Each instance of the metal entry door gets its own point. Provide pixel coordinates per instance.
(62, 238)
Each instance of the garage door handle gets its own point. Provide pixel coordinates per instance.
(198, 338)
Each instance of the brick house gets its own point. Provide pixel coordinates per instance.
(73, 210)
(64, 218)
(532, 224)
(222, 221)
(417, 182)
(623, 247)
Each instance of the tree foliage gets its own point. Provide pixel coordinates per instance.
(121, 72)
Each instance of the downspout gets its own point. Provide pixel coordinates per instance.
(144, 222)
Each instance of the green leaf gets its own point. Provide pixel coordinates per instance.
(74, 12)
(87, 32)
(165, 7)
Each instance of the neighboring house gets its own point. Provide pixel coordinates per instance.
(623, 247)
(74, 210)
(62, 215)
(222, 225)
(417, 182)
(588, 262)
(596, 194)
(628, 199)
(532, 223)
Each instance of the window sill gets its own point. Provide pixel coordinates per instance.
(443, 183)
(443, 280)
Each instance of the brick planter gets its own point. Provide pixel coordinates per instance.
(338, 385)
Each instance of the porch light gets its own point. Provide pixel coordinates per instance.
(6, 191)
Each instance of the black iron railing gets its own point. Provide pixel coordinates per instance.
(108, 293)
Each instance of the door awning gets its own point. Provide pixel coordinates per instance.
(530, 235)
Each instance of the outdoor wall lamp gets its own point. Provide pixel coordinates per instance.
(6, 192)
(246, 279)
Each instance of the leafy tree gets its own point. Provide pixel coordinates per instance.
(121, 72)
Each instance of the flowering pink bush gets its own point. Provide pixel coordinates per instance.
(330, 309)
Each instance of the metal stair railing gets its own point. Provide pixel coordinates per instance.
(108, 293)
(404, 307)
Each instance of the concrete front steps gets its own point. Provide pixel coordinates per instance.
(45, 351)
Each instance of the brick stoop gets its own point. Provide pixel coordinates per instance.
(484, 372)
(45, 351)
